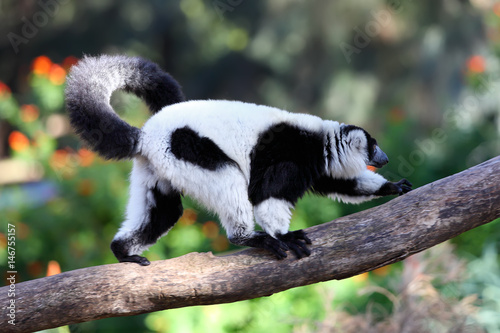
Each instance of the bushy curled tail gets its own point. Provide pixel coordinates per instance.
(90, 84)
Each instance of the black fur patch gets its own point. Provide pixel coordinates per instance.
(163, 215)
(328, 147)
(372, 143)
(327, 185)
(156, 87)
(101, 129)
(189, 146)
(285, 163)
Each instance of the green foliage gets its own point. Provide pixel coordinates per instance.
(484, 281)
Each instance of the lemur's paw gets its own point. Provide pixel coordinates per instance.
(390, 188)
(262, 240)
(404, 186)
(296, 241)
(143, 261)
(120, 250)
(277, 247)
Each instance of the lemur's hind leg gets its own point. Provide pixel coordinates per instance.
(230, 201)
(153, 208)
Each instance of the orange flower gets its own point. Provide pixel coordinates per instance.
(57, 74)
(41, 65)
(29, 113)
(53, 268)
(360, 277)
(4, 91)
(210, 229)
(18, 141)
(476, 64)
(86, 157)
(496, 9)
(59, 159)
(3, 240)
(188, 217)
(382, 271)
(220, 243)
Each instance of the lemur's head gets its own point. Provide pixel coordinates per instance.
(362, 146)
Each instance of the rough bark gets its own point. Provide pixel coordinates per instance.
(342, 248)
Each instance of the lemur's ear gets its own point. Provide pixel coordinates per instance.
(357, 142)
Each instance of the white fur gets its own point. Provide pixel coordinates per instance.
(349, 162)
(368, 182)
(273, 215)
(141, 179)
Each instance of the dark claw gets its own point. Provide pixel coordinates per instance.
(137, 259)
(405, 182)
(404, 186)
(278, 248)
(299, 248)
(300, 234)
(296, 241)
(294, 235)
(262, 240)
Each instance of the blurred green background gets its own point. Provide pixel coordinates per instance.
(422, 77)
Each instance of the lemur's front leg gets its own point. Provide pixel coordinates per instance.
(366, 186)
(273, 215)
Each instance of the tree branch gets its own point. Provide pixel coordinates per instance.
(342, 248)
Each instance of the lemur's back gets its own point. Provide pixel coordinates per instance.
(233, 126)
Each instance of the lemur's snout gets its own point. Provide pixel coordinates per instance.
(379, 158)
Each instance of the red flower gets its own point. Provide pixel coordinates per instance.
(18, 141)
(53, 268)
(57, 74)
(476, 64)
(29, 113)
(4, 91)
(41, 65)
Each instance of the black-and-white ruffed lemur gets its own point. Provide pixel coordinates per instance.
(244, 161)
